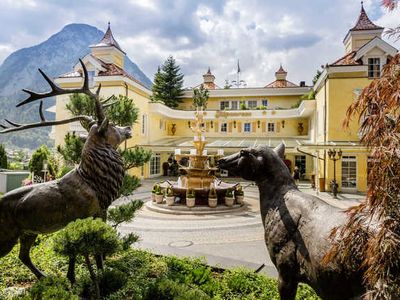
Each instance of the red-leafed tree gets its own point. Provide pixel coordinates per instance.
(371, 238)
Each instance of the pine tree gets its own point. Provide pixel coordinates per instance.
(168, 83)
(72, 149)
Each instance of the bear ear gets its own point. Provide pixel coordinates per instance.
(280, 150)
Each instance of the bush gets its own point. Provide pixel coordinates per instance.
(3, 157)
(137, 274)
(88, 238)
(63, 171)
(36, 162)
(129, 184)
(50, 288)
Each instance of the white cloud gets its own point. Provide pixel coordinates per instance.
(301, 35)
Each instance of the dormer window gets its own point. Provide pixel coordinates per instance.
(374, 67)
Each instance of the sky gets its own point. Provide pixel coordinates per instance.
(301, 35)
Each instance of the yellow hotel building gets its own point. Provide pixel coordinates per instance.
(274, 113)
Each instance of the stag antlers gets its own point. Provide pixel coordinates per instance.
(56, 91)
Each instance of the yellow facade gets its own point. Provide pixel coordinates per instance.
(274, 114)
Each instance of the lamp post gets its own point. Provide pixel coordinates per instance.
(334, 156)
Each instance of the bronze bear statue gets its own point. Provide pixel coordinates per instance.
(297, 227)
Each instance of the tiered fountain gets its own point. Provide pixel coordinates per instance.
(199, 174)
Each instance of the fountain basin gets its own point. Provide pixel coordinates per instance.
(201, 193)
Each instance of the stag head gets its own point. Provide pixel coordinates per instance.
(101, 130)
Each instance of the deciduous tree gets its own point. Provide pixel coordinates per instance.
(371, 238)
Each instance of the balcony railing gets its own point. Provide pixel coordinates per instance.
(305, 109)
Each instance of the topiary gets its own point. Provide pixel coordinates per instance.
(170, 192)
(212, 193)
(239, 191)
(190, 193)
(88, 238)
(229, 193)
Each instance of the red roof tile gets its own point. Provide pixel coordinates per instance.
(347, 60)
(364, 23)
(108, 40)
(281, 84)
(110, 70)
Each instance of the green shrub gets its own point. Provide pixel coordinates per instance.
(50, 288)
(63, 171)
(88, 238)
(190, 193)
(229, 193)
(3, 157)
(129, 184)
(212, 193)
(168, 289)
(36, 162)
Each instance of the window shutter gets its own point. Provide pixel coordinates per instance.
(239, 126)
(254, 127)
(230, 127)
(278, 126)
(263, 126)
(216, 126)
(207, 126)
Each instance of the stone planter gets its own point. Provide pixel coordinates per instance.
(170, 200)
(229, 201)
(153, 197)
(159, 198)
(190, 201)
(240, 199)
(212, 202)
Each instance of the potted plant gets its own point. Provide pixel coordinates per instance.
(229, 199)
(239, 195)
(153, 192)
(170, 198)
(159, 195)
(212, 198)
(190, 198)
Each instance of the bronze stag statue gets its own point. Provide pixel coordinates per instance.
(86, 191)
(297, 227)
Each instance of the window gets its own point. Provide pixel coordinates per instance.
(246, 127)
(271, 127)
(224, 127)
(349, 172)
(300, 162)
(91, 78)
(251, 104)
(234, 105)
(155, 164)
(144, 124)
(264, 102)
(374, 67)
(224, 105)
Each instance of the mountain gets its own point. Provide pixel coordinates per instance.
(55, 56)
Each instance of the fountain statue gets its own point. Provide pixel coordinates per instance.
(199, 172)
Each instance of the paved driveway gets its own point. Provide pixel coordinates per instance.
(226, 240)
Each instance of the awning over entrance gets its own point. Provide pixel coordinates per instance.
(229, 144)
